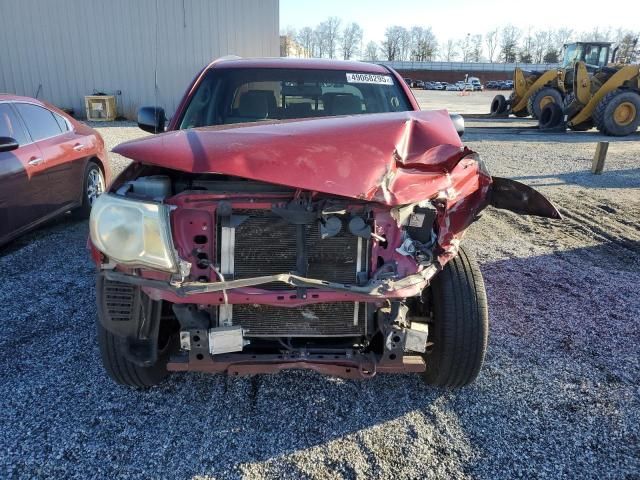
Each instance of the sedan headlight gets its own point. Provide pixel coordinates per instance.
(133, 232)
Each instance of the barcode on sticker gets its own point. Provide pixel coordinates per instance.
(369, 78)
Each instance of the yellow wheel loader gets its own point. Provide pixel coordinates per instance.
(532, 91)
(608, 99)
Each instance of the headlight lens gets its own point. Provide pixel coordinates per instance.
(132, 232)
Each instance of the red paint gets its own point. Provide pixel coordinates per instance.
(390, 158)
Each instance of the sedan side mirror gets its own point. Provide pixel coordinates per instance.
(458, 122)
(7, 144)
(151, 119)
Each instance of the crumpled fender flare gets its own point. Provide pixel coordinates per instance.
(507, 194)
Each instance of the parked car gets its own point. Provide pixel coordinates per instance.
(417, 84)
(441, 85)
(408, 81)
(238, 242)
(49, 164)
(453, 87)
(491, 84)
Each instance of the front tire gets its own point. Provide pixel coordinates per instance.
(460, 324)
(618, 113)
(542, 97)
(123, 371)
(92, 187)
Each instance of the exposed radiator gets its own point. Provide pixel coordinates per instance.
(266, 244)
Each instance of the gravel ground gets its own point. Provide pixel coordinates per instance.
(559, 396)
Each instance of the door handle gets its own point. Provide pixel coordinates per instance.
(35, 161)
(78, 147)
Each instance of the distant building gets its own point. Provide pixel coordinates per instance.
(290, 48)
(61, 51)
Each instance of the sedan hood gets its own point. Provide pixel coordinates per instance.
(391, 158)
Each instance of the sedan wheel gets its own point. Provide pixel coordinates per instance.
(93, 187)
(95, 184)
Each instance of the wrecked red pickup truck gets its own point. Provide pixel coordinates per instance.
(328, 243)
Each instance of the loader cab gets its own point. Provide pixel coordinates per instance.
(594, 54)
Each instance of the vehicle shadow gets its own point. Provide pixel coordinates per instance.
(506, 133)
(55, 225)
(545, 345)
(629, 178)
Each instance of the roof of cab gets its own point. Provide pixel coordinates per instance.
(297, 63)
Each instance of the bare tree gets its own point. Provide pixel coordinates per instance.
(392, 43)
(491, 40)
(562, 36)
(330, 32)
(351, 38)
(371, 52)
(526, 51)
(405, 44)
(423, 44)
(598, 34)
(305, 39)
(465, 47)
(539, 46)
(450, 52)
(627, 44)
(475, 54)
(509, 43)
(319, 41)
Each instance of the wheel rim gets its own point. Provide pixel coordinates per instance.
(95, 185)
(625, 113)
(546, 100)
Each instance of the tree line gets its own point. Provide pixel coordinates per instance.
(508, 44)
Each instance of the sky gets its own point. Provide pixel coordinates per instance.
(455, 18)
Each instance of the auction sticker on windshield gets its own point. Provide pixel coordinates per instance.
(369, 78)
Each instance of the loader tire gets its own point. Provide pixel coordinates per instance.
(550, 117)
(618, 113)
(542, 97)
(498, 105)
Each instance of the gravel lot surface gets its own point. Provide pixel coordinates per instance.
(559, 396)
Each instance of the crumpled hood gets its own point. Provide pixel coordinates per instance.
(391, 158)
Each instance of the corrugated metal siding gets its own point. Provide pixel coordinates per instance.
(65, 49)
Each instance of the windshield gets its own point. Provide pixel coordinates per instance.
(227, 96)
(572, 54)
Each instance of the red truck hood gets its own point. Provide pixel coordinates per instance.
(391, 158)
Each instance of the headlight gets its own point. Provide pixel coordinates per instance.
(132, 232)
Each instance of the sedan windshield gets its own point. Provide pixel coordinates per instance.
(227, 96)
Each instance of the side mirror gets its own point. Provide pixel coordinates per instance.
(151, 119)
(458, 122)
(7, 144)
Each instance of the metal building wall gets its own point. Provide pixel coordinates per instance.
(62, 50)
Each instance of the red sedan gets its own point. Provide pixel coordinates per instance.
(49, 164)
